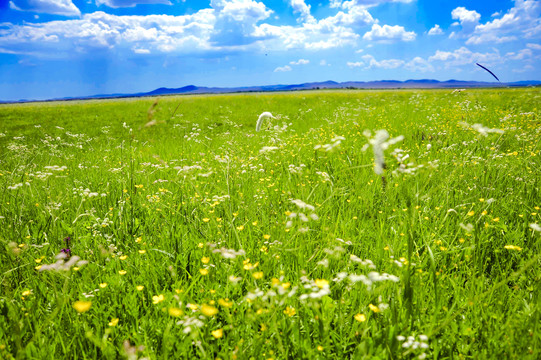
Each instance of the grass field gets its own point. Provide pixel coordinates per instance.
(194, 236)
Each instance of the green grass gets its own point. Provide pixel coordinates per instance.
(454, 260)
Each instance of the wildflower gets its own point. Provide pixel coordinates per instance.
(123, 257)
(225, 303)
(379, 144)
(535, 227)
(374, 308)
(82, 306)
(139, 287)
(122, 272)
(204, 271)
(471, 213)
(266, 237)
(208, 310)
(142, 251)
(265, 149)
(360, 317)
(27, 293)
(205, 260)
(513, 247)
(156, 299)
(483, 130)
(113, 322)
(321, 283)
(103, 285)
(217, 333)
(234, 279)
(175, 312)
(206, 220)
(290, 311)
(258, 275)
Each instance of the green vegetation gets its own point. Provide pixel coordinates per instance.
(202, 238)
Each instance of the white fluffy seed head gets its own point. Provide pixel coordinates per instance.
(261, 118)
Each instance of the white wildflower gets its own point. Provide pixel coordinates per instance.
(483, 130)
(265, 149)
(379, 144)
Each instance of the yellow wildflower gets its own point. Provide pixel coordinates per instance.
(175, 312)
(218, 333)
(156, 299)
(113, 322)
(374, 308)
(208, 310)
(321, 283)
(360, 317)
(290, 311)
(82, 306)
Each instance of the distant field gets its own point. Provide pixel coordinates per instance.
(194, 236)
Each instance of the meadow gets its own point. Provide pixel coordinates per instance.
(171, 228)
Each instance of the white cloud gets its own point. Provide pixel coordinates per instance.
(283, 68)
(489, 38)
(464, 56)
(465, 16)
(300, 62)
(521, 55)
(383, 64)
(534, 46)
(324, 63)
(130, 3)
(299, 6)
(521, 21)
(56, 7)
(387, 32)
(467, 19)
(436, 30)
(419, 64)
(141, 51)
(355, 64)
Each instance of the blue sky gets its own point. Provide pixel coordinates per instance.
(58, 48)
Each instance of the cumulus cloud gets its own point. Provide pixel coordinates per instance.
(130, 3)
(464, 56)
(418, 64)
(386, 32)
(56, 7)
(300, 7)
(521, 21)
(300, 62)
(162, 33)
(465, 16)
(383, 64)
(283, 68)
(354, 64)
(436, 30)
(520, 55)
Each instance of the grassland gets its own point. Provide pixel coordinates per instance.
(196, 237)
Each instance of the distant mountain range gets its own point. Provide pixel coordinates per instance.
(382, 84)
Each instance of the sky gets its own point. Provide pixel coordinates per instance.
(68, 48)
